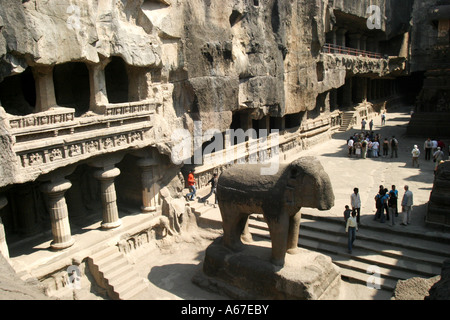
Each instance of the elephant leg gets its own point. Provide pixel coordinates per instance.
(294, 228)
(233, 225)
(279, 235)
(246, 235)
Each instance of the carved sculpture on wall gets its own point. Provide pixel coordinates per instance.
(242, 191)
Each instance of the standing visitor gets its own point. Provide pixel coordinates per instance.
(356, 203)
(395, 191)
(363, 125)
(383, 118)
(392, 206)
(407, 203)
(415, 156)
(427, 147)
(351, 228)
(438, 156)
(347, 213)
(394, 147)
(371, 124)
(385, 147)
(350, 146)
(375, 147)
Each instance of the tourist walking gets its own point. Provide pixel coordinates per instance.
(415, 156)
(407, 203)
(350, 229)
(356, 204)
(363, 125)
(427, 147)
(213, 182)
(371, 125)
(394, 147)
(383, 119)
(191, 184)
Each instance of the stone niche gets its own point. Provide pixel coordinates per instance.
(249, 274)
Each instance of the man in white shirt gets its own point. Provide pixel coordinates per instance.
(407, 203)
(350, 147)
(355, 201)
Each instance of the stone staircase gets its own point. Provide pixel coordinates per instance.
(113, 272)
(392, 253)
(347, 118)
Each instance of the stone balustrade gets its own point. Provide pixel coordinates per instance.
(55, 138)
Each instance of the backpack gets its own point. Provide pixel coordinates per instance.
(394, 142)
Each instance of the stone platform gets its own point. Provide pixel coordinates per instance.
(248, 274)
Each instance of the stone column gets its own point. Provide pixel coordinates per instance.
(340, 37)
(355, 40)
(45, 90)
(3, 245)
(150, 189)
(110, 211)
(97, 84)
(59, 215)
(363, 43)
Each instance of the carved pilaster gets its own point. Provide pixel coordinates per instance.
(150, 189)
(59, 215)
(109, 199)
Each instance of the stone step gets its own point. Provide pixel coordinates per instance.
(398, 236)
(386, 240)
(391, 266)
(111, 269)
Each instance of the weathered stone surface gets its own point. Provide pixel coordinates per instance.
(439, 205)
(13, 288)
(250, 275)
(441, 289)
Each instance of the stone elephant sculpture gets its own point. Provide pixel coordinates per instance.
(242, 191)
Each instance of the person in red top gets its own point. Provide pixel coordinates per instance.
(191, 183)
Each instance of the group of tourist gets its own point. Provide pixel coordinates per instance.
(368, 145)
(386, 203)
(434, 149)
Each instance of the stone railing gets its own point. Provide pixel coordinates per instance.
(51, 139)
(255, 151)
(57, 116)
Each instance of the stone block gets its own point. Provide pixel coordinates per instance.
(249, 274)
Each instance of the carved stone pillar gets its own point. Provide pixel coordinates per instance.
(45, 90)
(3, 245)
(110, 211)
(59, 215)
(340, 37)
(150, 189)
(97, 83)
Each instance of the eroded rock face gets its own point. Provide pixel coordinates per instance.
(196, 60)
